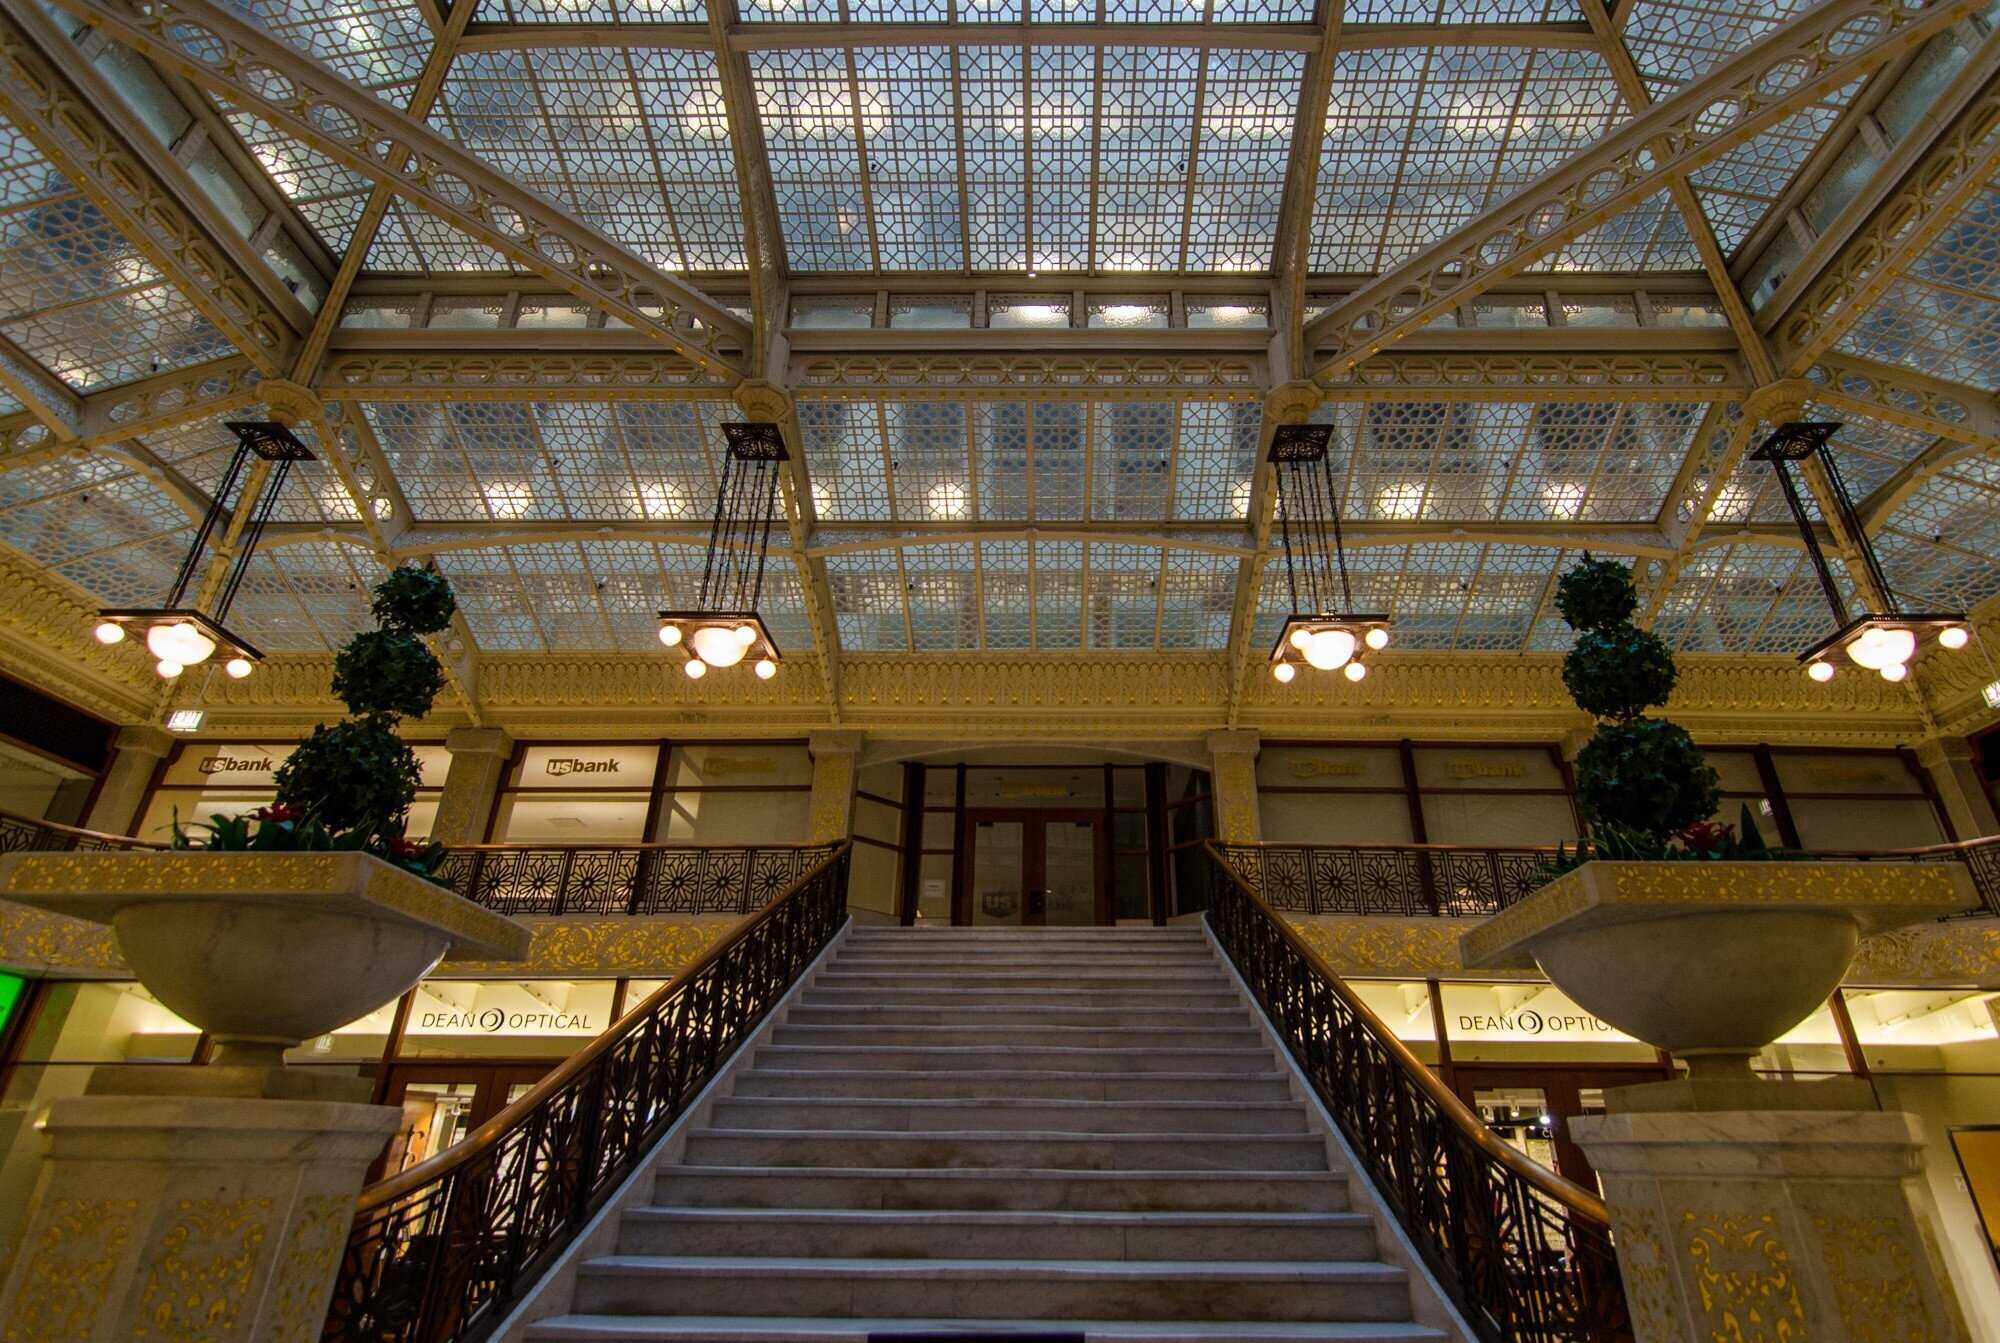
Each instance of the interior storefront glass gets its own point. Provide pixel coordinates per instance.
(718, 817)
(460, 1018)
(571, 818)
(1521, 1022)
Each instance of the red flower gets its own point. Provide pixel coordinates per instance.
(276, 811)
(406, 848)
(1707, 836)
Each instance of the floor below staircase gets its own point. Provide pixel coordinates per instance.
(1019, 1134)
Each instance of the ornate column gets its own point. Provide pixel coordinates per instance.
(1949, 761)
(136, 754)
(479, 757)
(833, 755)
(1233, 777)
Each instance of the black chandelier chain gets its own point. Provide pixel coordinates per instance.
(1312, 505)
(739, 538)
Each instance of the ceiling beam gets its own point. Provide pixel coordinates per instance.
(1896, 164)
(120, 413)
(48, 399)
(70, 131)
(1902, 396)
(1891, 494)
(1804, 60)
(1960, 164)
(224, 54)
(430, 83)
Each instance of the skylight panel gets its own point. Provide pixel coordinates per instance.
(311, 597)
(79, 511)
(1124, 596)
(1063, 85)
(416, 241)
(1939, 548)
(379, 44)
(1058, 594)
(1675, 41)
(867, 589)
(1006, 606)
(1197, 598)
(942, 588)
(1247, 112)
(491, 599)
(806, 101)
(1420, 140)
(906, 110)
(1942, 316)
(1133, 453)
(132, 573)
(593, 11)
(1748, 598)
(634, 141)
(1216, 459)
(932, 477)
(845, 457)
(1461, 11)
(328, 196)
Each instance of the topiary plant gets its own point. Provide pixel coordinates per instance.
(1637, 775)
(350, 785)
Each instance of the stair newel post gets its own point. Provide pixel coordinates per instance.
(642, 881)
(562, 881)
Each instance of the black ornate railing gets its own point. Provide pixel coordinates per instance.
(439, 1252)
(626, 879)
(1443, 880)
(1525, 1254)
(26, 834)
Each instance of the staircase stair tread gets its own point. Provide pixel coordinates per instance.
(1293, 1270)
(791, 1329)
(1002, 1103)
(988, 1173)
(1000, 1076)
(976, 1217)
(999, 1135)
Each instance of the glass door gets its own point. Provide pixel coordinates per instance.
(1030, 869)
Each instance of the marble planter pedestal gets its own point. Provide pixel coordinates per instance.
(189, 1217)
(1772, 1225)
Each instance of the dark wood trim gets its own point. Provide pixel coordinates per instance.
(653, 807)
(392, 1043)
(1406, 752)
(1930, 793)
(1850, 1043)
(909, 867)
(1107, 853)
(618, 991)
(861, 795)
(961, 870)
(874, 843)
(1774, 793)
(1156, 842)
(1443, 1033)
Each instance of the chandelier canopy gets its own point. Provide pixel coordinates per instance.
(179, 633)
(1323, 631)
(724, 629)
(1879, 641)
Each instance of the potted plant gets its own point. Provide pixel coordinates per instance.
(274, 927)
(1681, 932)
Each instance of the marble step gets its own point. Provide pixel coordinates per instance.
(1039, 937)
(1015, 1083)
(1023, 1035)
(1193, 961)
(1034, 977)
(879, 1114)
(849, 1233)
(1202, 995)
(765, 1329)
(1023, 1289)
(810, 1012)
(976, 1058)
(1018, 1190)
(979, 1149)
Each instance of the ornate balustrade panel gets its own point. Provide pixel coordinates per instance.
(1526, 1255)
(1441, 880)
(629, 879)
(438, 1253)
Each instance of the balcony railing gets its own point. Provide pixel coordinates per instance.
(628, 878)
(439, 1252)
(25, 834)
(1442, 880)
(1525, 1254)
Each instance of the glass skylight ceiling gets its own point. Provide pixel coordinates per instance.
(1943, 315)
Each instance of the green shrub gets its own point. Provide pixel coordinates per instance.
(1619, 671)
(414, 601)
(354, 776)
(1595, 593)
(387, 672)
(1646, 775)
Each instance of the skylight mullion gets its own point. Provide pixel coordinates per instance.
(1160, 600)
(1195, 117)
(1096, 169)
(555, 138)
(909, 623)
(1028, 168)
(867, 178)
(1471, 595)
(533, 608)
(964, 191)
(657, 165)
(1395, 192)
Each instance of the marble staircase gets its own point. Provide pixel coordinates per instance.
(970, 1134)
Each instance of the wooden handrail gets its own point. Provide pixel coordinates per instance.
(489, 1134)
(1570, 1195)
(649, 845)
(99, 836)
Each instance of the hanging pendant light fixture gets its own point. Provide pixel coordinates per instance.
(1323, 632)
(724, 629)
(1879, 641)
(179, 634)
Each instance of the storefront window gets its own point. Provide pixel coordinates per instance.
(207, 779)
(577, 794)
(1514, 1022)
(748, 794)
(39, 788)
(1926, 1030)
(517, 1018)
(1332, 795)
(1808, 1049)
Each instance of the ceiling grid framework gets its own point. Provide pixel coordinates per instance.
(578, 247)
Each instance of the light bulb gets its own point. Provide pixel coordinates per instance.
(1284, 671)
(718, 645)
(109, 632)
(1329, 649)
(696, 669)
(1820, 671)
(746, 635)
(168, 670)
(1876, 648)
(1377, 638)
(180, 642)
(1355, 671)
(1895, 671)
(238, 667)
(670, 635)
(1299, 637)
(1953, 636)
(766, 669)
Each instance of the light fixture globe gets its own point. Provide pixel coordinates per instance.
(670, 635)
(718, 645)
(109, 632)
(1876, 648)
(1377, 638)
(696, 669)
(746, 635)
(168, 669)
(1330, 649)
(1954, 636)
(766, 669)
(1820, 671)
(1300, 636)
(1355, 671)
(1284, 672)
(1895, 671)
(238, 668)
(181, 642)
